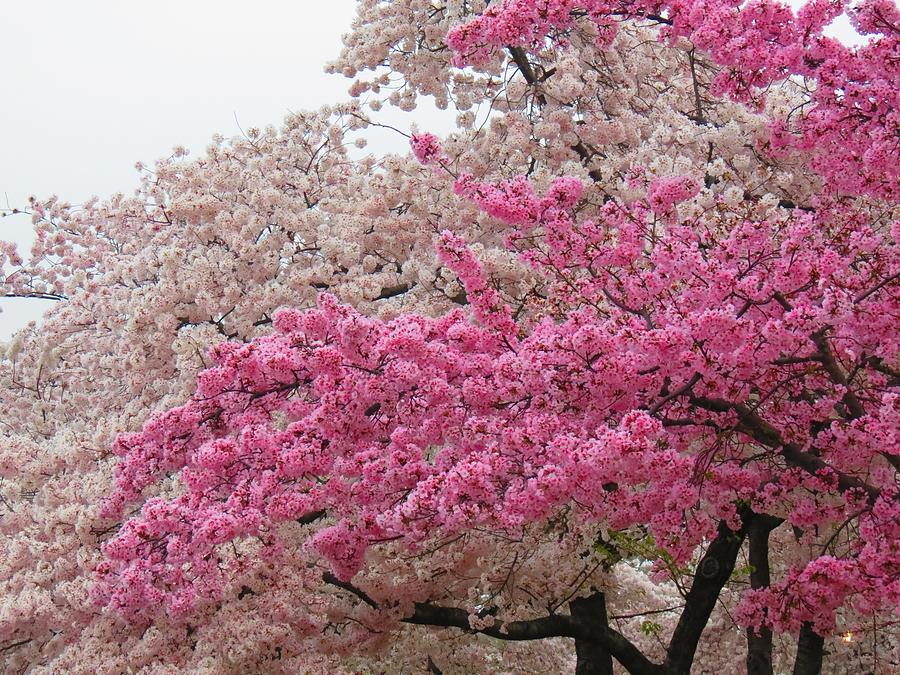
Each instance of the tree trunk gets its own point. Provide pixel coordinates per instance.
(712, 574)
(810, 650)
(592, 658)
(759, 645)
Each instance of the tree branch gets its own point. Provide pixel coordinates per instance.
(521, 60)
(681, 391)
(884, 282)
(750, 423)
(837, 375)
(329, 578)
(432, 667)
(393, 291)
(310, 517)
(555, 625)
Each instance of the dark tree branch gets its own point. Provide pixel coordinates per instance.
(681, 391)
(788, 204)
(36, 296)
(521, 60)
(850, 400)
(426, 614)
(393, 291)
(460, 298)
(878, 364)
(310, 517)
(13, 645)
(329, 578)
(697, 100)
(837, 374)
(555, 625)
(750, 423)
(432, 667)
(884, 282)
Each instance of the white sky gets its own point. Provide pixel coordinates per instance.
(91, 87)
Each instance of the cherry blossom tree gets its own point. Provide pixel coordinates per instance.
(608, 379)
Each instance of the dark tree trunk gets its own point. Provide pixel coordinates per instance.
(759, 644)
(592, 658)
(712, 574)
(810, 650)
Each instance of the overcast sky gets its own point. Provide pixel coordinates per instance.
(91, 87)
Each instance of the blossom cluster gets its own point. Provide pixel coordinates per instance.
(426, 148)
(850, 123)
(661, 318)
(665, 193)
(416, 427)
